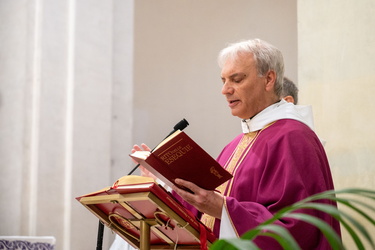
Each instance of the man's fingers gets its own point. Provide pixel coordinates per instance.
(187, 184)
(191, 197)
(136, 148)
(187, 196)
(145, 147)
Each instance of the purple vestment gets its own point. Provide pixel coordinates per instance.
(286, 163)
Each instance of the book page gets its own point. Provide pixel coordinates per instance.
(141, 154)
(168, 139)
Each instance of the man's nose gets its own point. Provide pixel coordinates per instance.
(226, 89)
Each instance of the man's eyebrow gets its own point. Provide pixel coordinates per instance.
(240, 74)
(234, 75)
(237, 74)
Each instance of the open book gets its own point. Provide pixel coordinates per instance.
(178, 156)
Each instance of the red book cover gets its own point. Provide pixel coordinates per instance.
(179, 156)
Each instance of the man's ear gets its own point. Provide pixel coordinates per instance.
(270, 80)
(289, 98)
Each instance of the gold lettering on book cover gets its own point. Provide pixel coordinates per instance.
(179, 208)
(214, 171)
(169, 156)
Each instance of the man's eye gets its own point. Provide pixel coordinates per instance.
(237, 80)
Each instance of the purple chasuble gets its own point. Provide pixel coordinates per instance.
(286, 163)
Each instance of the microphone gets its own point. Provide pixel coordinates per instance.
(181, 125)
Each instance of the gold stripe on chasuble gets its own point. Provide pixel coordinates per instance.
(231, 165)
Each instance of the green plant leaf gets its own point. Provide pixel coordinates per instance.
(354, 235)
(314, 202)
(234, 244)
(329, 233)
(340, 215)
(281, 234)
(349, 203)
(330, 194)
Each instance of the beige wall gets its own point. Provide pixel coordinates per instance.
(176, 73)
(336, 58)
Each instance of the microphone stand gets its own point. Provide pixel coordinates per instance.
(181, 125)
(99, 241)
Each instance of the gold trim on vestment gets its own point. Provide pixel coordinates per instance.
(231, 166)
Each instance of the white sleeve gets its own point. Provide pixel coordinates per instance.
(120, 244)
(226, 228)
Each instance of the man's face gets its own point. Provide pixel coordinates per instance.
(244, 90)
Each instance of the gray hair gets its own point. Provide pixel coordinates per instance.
(290, 88)
(266, 56)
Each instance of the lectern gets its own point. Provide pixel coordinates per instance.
(147, 216)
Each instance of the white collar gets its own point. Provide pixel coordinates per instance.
(278, 111)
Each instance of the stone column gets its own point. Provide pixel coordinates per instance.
(66, 113)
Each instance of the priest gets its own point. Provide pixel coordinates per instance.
(276, 161)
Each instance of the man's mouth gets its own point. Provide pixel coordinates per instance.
(232, 103)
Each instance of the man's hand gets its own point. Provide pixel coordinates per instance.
(206, 201)
(144, 171)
